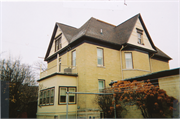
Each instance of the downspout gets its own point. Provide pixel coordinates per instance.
(150, 63)
(121, 61)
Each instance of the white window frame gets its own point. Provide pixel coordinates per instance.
(129, 61)
(100, 89)
(67, 89)
(73, 58)
(100, 57)
(140, 36)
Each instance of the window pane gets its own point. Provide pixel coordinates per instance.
(128, 57)
(63, 99)
(62, 94)
(71, 98)
(52, 96)
(63, 91)
(74, 58)
(101, 86)
(99, 52)
(100, 56)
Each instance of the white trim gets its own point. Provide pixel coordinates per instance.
(136, 70)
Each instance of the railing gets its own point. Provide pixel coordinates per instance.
(66, 69)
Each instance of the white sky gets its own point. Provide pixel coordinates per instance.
(26, 27)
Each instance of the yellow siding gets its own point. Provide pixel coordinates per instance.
(158, 65)
(63, 41)
(171, 85)
(133, 38)
(56, 81)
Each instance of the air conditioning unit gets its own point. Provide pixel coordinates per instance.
(68, 70)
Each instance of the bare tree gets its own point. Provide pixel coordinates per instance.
(21, 85)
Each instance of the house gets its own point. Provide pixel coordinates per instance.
(86, 59)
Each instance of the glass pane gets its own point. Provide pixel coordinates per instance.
(139, 35)
(62, 98)
(40, 101)
(99, 52)
(71, 98)
(101, 84)
(100, 61)
(74, 58)
(52, 99)
(52, 92)
(128, 57)
(47, 100)
(63, 91)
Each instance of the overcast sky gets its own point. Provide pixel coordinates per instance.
(26, 27)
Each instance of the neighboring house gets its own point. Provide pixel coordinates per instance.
(86, 59)
(168, 80)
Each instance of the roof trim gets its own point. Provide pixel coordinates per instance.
(56, 73)
(153, 75)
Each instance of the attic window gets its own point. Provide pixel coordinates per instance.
(58, 44)
(139, 35)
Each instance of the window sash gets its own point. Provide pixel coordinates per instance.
(100, 56)
(63, 95)
(101, 84)
(74, 58)
(52, 96)
(128, 58)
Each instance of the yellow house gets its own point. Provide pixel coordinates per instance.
(88, 58)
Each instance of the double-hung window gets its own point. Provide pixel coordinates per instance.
(58, 44)
(62, 95)
(128, 59)
(47, 96)
(44, 98)
(139, 35)
(101, 84)
(59, 64)
(100, 57)
(41, 97)
(52, 96)
(74, 58)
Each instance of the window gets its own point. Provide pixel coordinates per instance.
(52, 96)
(59, 64)
(100, 57)
(58, 44)
(62, 95)
(44, 98)
(101, 85)
(139, 34)
(41, 95)
(128, 58)
(74, 58)
(47, 97)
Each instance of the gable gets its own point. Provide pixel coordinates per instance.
(146, 42)
(64, 41)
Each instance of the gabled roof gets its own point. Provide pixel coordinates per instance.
(112, 34)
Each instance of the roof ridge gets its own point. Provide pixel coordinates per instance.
(88, 25)
(128, 20)
(66, 25)
(105, 22)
